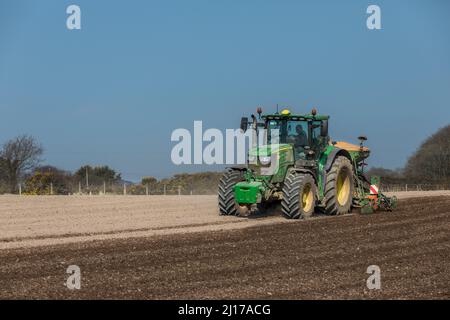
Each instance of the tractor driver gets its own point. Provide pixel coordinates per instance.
(301, 139)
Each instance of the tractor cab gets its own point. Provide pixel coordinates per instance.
(307, 134)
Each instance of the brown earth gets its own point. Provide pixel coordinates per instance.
(31, 221)
(320, 258)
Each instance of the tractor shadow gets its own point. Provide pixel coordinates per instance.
(274, 210)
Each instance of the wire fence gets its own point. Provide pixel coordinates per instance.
(115, 189)
(161, 188)
(413, 187)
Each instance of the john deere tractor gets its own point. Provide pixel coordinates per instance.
(301, 168)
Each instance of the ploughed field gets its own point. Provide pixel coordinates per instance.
(160, 247)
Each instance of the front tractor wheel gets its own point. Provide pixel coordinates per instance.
(339, 187)
(227, 204)
(299, 195)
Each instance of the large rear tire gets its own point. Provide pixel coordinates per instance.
(227, 204)
(299, 195)
(339, 187)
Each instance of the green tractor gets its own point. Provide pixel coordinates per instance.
(301, 168)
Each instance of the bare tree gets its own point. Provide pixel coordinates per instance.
(17, 156)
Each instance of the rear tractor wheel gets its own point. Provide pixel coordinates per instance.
(299, 195)
(339, 187)
(227, 204)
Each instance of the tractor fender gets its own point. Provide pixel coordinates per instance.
(333, 154)
(305, 170)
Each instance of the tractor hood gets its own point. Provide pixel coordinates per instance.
(268, 150)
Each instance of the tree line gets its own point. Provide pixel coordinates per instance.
(21, 170)
(21, 167)
(429, 164)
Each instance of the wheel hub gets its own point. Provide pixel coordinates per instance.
(343, 187)
(307, 198)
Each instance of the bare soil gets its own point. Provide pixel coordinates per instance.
(31, 221)
(320, 258)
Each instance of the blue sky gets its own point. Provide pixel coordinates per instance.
(112, 92)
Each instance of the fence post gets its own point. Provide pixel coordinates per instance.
(179, 190)
(79, 187)
(164, 189)
(406, 187)
(20, 189)
(124, 189)
(146, 189)
(51, 188)
(104, 187)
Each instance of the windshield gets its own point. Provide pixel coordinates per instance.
(290, 131)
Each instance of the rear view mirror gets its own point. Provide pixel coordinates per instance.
(244, 123)
(324, 128)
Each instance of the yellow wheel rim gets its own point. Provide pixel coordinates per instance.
(307, 198)
(343, 187)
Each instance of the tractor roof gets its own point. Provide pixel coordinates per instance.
(286, 114)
